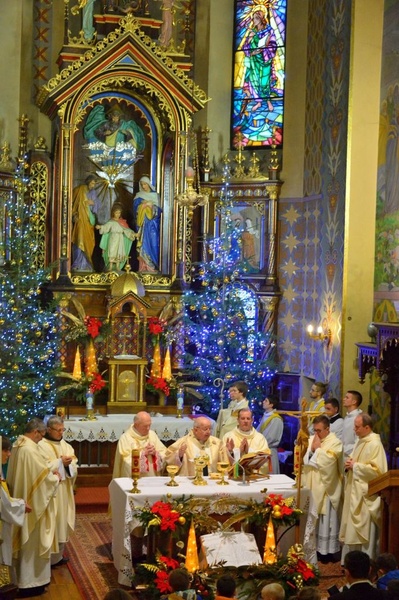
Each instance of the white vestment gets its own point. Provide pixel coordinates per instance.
(349, 437)
(272, 427)
(213, 448)
(12, 511)
(64, 501)
(361, 513)
(323, 475)
(256, 442)
(132, 440)
(29, 478)
(227, 417)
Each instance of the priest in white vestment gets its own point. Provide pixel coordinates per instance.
(227, 417)
(361, 515)
(139, 436)
(12, 510)
(60, 457)
(29, 477)
(196, 443)
(271, 427)
(323, 475)
(244, 439)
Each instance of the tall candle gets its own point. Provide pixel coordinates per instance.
(136, 462)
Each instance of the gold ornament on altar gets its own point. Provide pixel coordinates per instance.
(192, 562)
(135, 470)
(200, 462)
(172, 471)
(223, 467)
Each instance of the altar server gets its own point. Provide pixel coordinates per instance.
(271, 427)
(198, 441)
(139, 436)
(227, 417)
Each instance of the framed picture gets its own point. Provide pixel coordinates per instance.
(60, 411)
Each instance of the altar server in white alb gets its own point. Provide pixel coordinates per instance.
(361, 515)
(29, 477)
(271, 427)
(12, 510)
(227, 417)
(60, 457)
(139, 436)
(244, 439)
(198, 441)
(323, 475)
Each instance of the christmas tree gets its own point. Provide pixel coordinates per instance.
(223, 344)
(29, 324)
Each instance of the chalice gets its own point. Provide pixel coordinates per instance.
(172, 471)
(223, 467)
(200, 462)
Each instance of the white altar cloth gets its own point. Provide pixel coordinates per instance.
(109, 428)
(152, 489)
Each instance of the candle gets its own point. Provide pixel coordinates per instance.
(269, 557)
(136, 462)
(190, 172)
(77, 367)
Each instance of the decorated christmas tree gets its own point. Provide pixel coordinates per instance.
(28, 320)
(223, 343)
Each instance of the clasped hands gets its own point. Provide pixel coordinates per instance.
(149, 450)
(244, 446)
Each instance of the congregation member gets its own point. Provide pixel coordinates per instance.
(271, 427)
(227, 417)
(357, 569)
(180, 582)
(198, 441)
(361, 513)
(12, 510)
(60, 457)
(225, 587)
(244, 439)
(323, 474)
(30, 478)
(387, 569)
(272, 591)
(336, 421)
(351, 402)
(139, 436)
(317, 403)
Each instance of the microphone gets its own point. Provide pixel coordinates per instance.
(244, 480)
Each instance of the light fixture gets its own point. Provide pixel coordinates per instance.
(190, 198)
(324, 335)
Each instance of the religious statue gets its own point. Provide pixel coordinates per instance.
(147, 214)
(116, 240)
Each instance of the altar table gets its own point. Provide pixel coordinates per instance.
(123, 504)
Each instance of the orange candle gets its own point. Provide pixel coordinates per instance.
(135, 462)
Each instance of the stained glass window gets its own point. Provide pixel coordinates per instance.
(259, 69)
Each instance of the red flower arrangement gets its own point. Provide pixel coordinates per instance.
(93, 326)
(282, 511)
(97, 383)
(156, 326)
(158, 384)
(165, 516)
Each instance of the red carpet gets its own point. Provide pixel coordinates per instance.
(91, 499)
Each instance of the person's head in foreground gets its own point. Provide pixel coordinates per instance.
(179, 580)
(357, 565)
(226, 586)
(272, 591)
(308, 593)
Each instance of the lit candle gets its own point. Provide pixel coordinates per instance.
(192, 562)
(167, 367)
(190, 172)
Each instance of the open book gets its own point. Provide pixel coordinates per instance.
(255, 464)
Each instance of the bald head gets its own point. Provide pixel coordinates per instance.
(202, 429)
(273, 591)
(142, 422)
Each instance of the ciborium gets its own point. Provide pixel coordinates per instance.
(172, 471)
(200, 462)
(223, 467)
(135, 471)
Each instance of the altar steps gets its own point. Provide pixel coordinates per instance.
(91, 499)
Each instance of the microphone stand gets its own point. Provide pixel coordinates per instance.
(244, 479)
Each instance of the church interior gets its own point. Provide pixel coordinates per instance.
(156, 72)
(163, 201)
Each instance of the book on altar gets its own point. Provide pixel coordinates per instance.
(232, 548)
(252, 463)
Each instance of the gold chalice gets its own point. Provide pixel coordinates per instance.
(200, 463)
(172, 471)
(223, 467)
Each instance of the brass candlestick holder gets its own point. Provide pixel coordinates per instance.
(172, 471)
(223, 467)
(135, 471)
(200, 462)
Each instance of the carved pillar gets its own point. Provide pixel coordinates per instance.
(63, 277)
(273, 237)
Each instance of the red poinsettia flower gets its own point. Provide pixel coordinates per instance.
(286, 511)
(160, 508)
(93, 326)
(97, 383)
(305, 570)
(158, 383)
(156, 326)
(169, 521)
(170, 563)
(162, 583)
